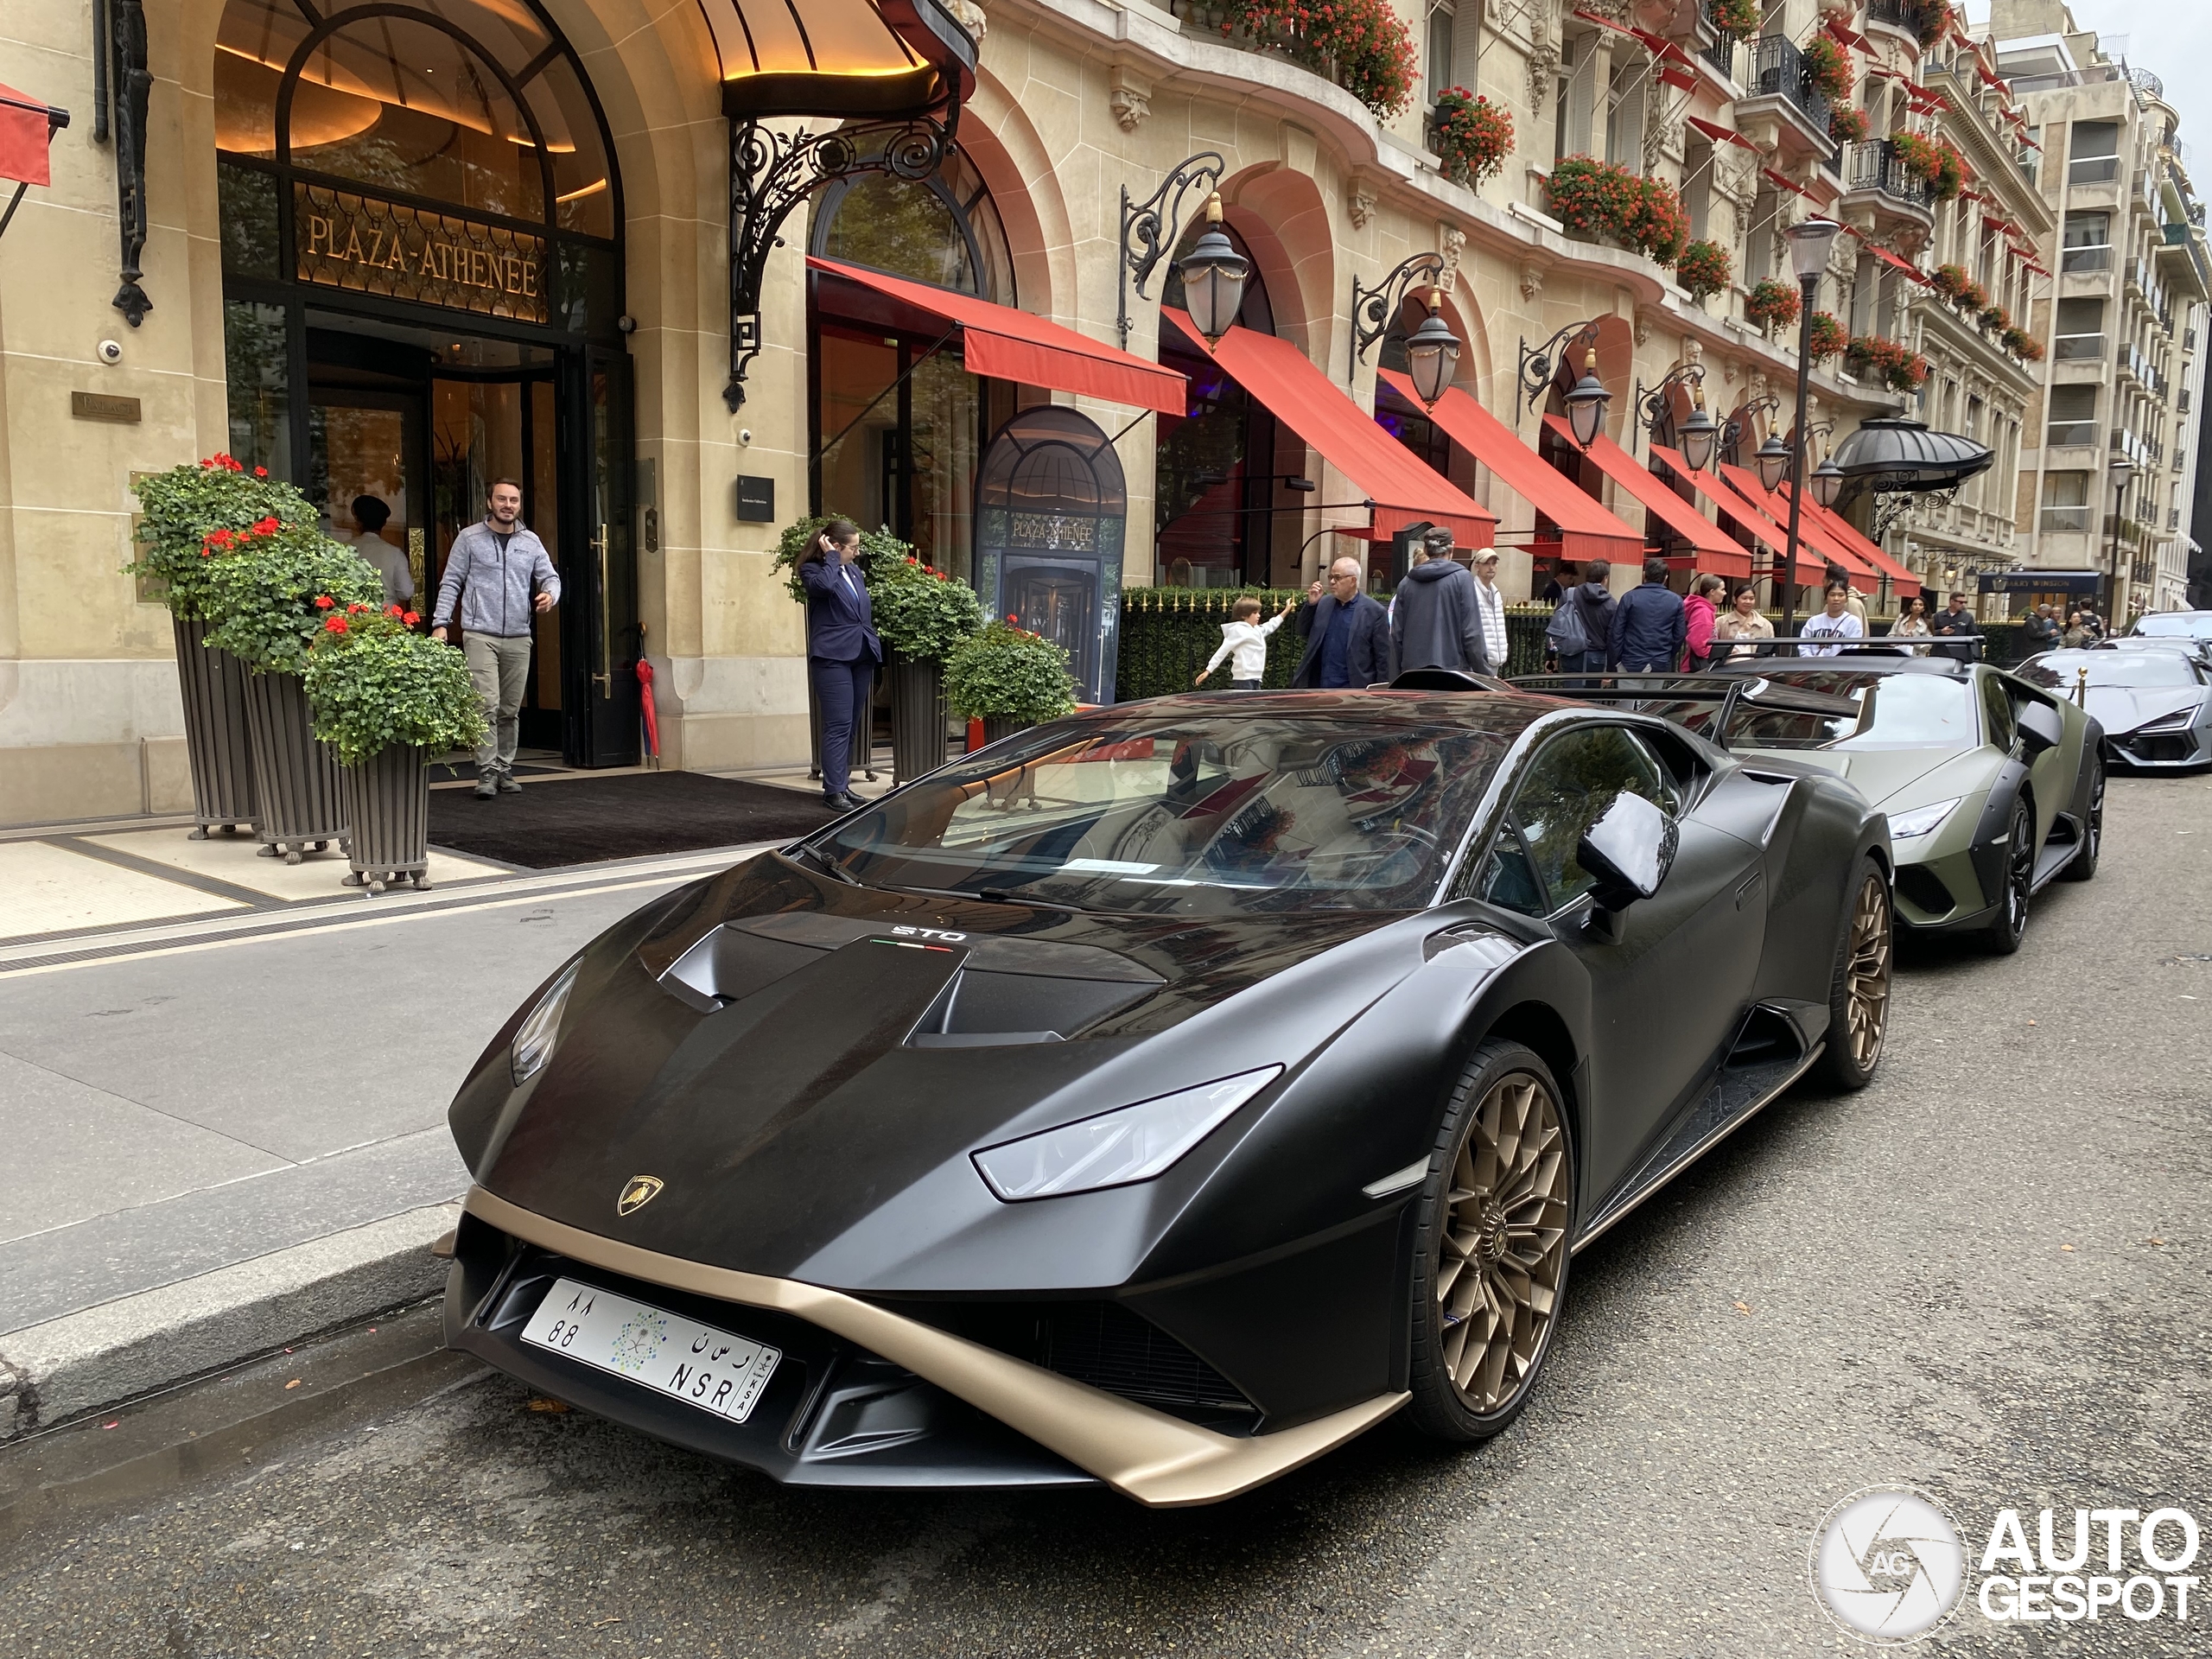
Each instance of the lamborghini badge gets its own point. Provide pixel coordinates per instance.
(637, 1193)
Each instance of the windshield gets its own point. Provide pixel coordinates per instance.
(1896, 711)
(1198, 811)
(2140, 668)
(2175, 625)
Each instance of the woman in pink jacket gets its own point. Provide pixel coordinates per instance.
(1698, 611)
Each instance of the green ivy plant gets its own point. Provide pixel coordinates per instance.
(1006, 671)
(375, 684)
(263, 588)
(878, 547)
(921, 613)
(192, 513)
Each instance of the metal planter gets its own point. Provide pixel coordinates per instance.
(294, 777)
(998, 726)
(917, 716)
(215, 687)
(387, 799)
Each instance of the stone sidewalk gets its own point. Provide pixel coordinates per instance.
(227, 1131)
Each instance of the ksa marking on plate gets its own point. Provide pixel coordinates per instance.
(666, 1353)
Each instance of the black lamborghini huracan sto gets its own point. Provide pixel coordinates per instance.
(1162, 1095)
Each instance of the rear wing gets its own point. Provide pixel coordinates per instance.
(1940, 645)
(1707, 704)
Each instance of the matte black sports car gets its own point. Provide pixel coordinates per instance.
(1161, 1096)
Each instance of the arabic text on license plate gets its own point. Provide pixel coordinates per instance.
(666, 1352)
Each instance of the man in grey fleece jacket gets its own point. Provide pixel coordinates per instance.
(497, 572)
(1436, 618)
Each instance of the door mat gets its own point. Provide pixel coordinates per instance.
(588, 819)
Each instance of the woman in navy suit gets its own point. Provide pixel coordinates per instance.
(842, 651)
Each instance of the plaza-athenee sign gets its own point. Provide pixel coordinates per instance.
(386, 248)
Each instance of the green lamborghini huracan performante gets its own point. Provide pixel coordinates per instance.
(1992, 786)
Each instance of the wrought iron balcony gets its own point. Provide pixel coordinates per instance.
(1779, 70)
(1878, 166)
(1722, 55)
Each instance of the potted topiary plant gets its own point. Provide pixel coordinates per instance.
(1007, 677)
(921, 615)
(385, 699)
(263, 587)
(185, 510)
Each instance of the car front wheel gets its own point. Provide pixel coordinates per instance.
(1858, 988)
(2010, 924)
(1491, 1246)
(2083, 865)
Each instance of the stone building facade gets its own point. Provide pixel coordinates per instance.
(282, 143)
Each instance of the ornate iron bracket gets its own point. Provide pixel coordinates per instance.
(1149, 228)
(772, 173)
(1373, 309)
(1731, 430)
(1538, 364)
(1651, 406)
(125, 84)
(1892, 505)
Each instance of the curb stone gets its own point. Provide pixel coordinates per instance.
(138, 1345)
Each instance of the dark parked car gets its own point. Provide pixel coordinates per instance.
(1161, 1096)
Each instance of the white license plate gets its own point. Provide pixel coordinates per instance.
(666, 1352)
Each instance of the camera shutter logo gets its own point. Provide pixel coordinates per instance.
(1888, 1564)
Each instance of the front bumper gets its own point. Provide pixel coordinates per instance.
(2159, 751)
(1942, 893)
(866, 1396)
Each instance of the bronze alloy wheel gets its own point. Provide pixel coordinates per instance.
(1867, 1006)
(1502, 1253)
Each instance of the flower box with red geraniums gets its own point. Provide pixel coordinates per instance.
(1738, 19)
(183, 509)
(1996, 319)
(1949, 281)
(1472, 136)
(1869, 356)
(1827, 337)
(1705, 268)
(1599, 200)
(2021, 343)
(1848, 124)
(375, 684)
(1971, 297)
(1363, 44)
(921, 613)
(1004, 672)
(1938, 166)
(263, 586)
(1827, 67)
(1772, 304)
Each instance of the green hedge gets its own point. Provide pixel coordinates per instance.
(1167, 633)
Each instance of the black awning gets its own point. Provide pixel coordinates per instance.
(1896, 455)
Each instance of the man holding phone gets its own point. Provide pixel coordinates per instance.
(499, 576)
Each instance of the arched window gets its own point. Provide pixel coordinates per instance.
(942, 230)
(477, 103)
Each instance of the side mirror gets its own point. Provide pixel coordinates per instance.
(1629, 851)
(2040, 728)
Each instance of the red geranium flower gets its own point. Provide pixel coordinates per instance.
(410, 618)
(324, 601)
(261, 472)
(355, 610)
(266, 525)
(335, 624)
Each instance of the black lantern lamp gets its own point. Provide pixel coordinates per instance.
(1586, 403)
(1773, 462)
(1213, 274)
(1432, 353)
(1699, 435)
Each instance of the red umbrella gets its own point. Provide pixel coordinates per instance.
(645, 698)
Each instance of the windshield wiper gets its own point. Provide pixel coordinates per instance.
(1001, 896)
(826, 864)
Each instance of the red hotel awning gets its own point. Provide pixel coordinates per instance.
(1755, 522)
(1811, 532)
(26, 130)
(1901, 580)
(1401, 488)
(1714, 551)
(1003, 343)
(1586, 529)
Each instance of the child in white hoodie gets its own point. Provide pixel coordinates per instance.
(1247, 641)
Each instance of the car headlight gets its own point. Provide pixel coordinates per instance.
(533, 1043)
(1132, 1143)
(2180, 720)
(1921, 820)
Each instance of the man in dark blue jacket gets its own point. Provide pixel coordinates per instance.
(1347, 635)
(1649, 625)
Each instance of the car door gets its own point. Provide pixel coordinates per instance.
(1670, 977)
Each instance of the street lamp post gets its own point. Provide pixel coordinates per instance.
(2119, 470)
(1809, 242)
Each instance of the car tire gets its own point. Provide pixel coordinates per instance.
(1859, 985)
(2010, 924)
(2083, 866)
(1490, 1236)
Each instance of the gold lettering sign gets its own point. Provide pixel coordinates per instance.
(407, 253)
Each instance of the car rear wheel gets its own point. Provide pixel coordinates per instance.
(2010, 924)
(1491, 1246)
(1859, 989)
(2084, 863)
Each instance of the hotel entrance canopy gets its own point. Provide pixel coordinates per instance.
(859, 58)
(1402, 489)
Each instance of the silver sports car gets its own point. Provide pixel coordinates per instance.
(2155, 705)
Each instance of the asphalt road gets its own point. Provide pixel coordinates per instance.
(1985, 1275)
